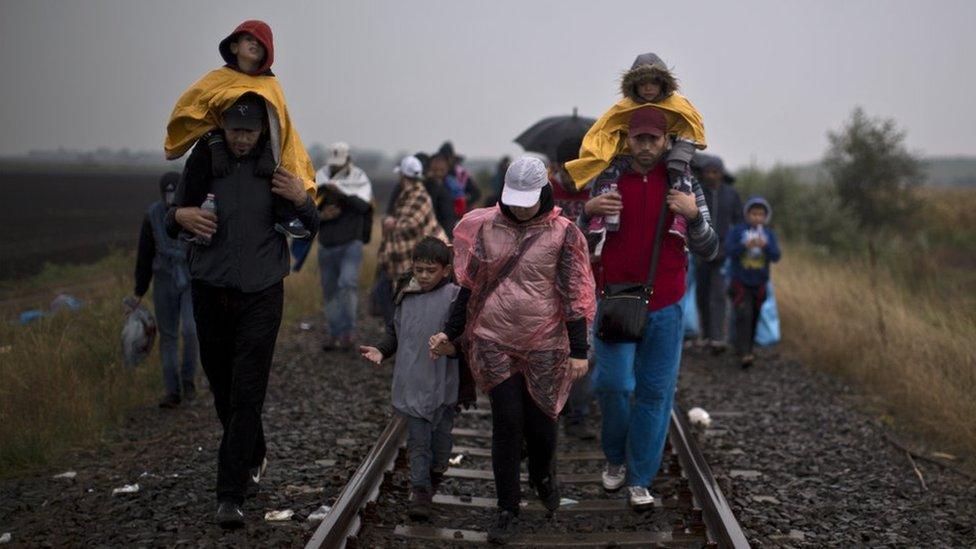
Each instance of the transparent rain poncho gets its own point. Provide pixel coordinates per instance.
(526, 281)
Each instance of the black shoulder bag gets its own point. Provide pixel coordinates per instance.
(622, 314)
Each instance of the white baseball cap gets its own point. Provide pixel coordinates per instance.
(338, 154)
(410, 167)
(524, 181)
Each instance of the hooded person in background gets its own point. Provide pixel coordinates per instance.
(346, 208)
(467, 184)
(725, 207)
(162, 260)
(752, 248)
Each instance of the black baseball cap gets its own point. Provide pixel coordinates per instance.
(247, 113)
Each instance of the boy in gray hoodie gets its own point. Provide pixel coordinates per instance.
(425, 388)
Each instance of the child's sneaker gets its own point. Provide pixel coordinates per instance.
(294, 229)
(679, 227)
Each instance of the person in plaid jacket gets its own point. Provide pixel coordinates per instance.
(413, 218)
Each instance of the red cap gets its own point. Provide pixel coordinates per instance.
(647, 120)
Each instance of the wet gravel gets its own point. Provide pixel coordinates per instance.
(322, 414)
(827, 474)
(800, 465)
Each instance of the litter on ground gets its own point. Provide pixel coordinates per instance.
(319, 514)
(127, 489)
(698, 416)
(276, 516)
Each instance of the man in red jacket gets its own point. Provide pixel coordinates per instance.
(633, 434)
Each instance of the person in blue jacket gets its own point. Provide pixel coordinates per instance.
(751, 247)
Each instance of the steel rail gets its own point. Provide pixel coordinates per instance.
(343, 520)
(723, 528)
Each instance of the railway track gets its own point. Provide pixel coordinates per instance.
(371, 509)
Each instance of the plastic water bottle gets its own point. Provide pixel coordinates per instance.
(758, 232)
(209, 205)
(612, 222)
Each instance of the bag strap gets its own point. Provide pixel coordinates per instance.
(658, 237)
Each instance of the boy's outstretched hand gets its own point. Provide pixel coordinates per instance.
(578, 367)
(371, 354)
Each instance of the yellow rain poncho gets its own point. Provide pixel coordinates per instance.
(198, 111)
(607, 137)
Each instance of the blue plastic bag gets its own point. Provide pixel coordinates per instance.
(767, 331)
(299, 251)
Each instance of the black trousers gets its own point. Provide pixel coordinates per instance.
(747, 301)
(237, 333)
(514, 418)
(710, 298)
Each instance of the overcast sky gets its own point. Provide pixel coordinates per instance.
(770, 77)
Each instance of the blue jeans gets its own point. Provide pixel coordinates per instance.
(648, 370)
(339, 268)
(174, 314)
(429, 444)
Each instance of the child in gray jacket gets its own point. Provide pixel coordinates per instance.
(425, 389)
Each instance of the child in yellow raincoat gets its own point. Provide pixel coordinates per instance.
(249, 53)
(648, 82)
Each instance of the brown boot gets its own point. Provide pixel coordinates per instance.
(420, 503)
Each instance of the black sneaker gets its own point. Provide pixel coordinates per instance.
(548, 492)
(293, 228)
(747, 361)
(229, 515)
(503, 528)
(169, 402)
(189, 391)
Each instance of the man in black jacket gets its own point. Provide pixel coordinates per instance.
(710, 287)
(347, 214)
(237, 288)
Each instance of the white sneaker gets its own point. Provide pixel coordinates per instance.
(640, 498)
(614, 476)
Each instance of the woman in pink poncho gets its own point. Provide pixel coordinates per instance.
(525, 272)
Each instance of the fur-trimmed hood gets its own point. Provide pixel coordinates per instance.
(648, 67)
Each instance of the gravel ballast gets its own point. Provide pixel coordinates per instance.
(799, 463)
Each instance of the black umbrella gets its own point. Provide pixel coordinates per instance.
(545, 135)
